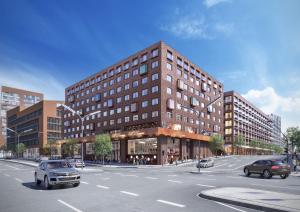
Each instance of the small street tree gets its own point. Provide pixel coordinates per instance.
(45, 151)
(103, 146)
(293, 134)
(70, 147)
(20, 149)
(217, 144)
(238, 141)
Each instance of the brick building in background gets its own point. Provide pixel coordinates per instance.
(42, 121)
(242, 118)
(11, 98)
(152, 103)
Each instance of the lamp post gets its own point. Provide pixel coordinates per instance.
(199, 117)
(82, 118)
(18, 137)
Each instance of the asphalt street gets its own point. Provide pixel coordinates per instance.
(135, 189)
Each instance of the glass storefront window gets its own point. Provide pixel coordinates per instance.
(146, 146)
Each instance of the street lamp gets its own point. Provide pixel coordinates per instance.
(18, 136)
(82, 118)
(199, 117)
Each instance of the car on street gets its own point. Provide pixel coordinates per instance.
(56, 172)
(76, 163)
(205, 163)
(268, 168)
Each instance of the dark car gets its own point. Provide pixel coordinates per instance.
(268, 168)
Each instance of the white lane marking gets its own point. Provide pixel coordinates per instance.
(275, 186)
(172, 175)
(129, 175)
(235, 177)
(209, 186)
(19, 180)
(105, 178)
(69, 206)
(98, 174)
(171, 203)
(101, 186)
(15, 168)
(230, 206)
(7, 175)
(152, 178)
(210, 175)
(174, 181)
(130, 193)
(84, 182)
(219, 165)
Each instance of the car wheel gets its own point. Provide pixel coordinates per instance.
(37, 181)
(267, 174)
(46, 183)
(283, 176)
(246, 171)
(76, 184)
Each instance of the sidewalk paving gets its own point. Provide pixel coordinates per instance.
(254, 198)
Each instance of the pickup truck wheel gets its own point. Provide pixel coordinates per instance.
(283, 176)
(76, 184)
(46, 183)
(37, 181)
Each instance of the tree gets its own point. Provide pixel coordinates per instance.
(45, 151)
(70, 147)
(103, 146)
(216, 144)
(20, 148)
(293, 134)
(238, 141)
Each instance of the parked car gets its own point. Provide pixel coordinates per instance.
(76, 162)
(56, 172)
(205, 163)
(268, 168)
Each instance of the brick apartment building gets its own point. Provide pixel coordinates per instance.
(11, 98)
(153, 104)
(241, 118)
(42, 119)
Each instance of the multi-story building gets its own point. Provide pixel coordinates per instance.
(11, 98)
(37, 126)
(276, 129)
(153, 104)
(243, 119)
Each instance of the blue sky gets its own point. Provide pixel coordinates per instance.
(252, 46)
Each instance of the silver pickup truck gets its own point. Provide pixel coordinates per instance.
(56, 172)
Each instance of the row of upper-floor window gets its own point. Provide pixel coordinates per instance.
(111, 122)
(134, 84)
(14, 119)
(133, 107)
(118, 69)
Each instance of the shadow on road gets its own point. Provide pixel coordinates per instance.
(33, 186)
(259, 177)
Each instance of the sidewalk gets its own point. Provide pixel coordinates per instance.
(254, 198)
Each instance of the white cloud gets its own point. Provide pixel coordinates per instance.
(225, 28)
(188, 27)
(211, 3)
(269, 101)
(24, 76)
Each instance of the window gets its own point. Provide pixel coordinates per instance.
(133, 107)
(126, 108)
(119, 89)
(144, 115)
(169, 78)
(135, 72)
(127, 86)
(135, 95)
(154, 76)
(119, 110)
(169, 66)
(228, 123)
(179, 72)
(111, 92)
(119, 79)
(228, 131)
(144, 92)
(111, 112)
(144, 104)
(169, 90)
(169, 55)
(154, 64)
(154, 53)
(119, 121)
(178, 94)
(155, 101)
(143, 69)
(135, 84)
(135, 118)
(110, 103)
(119, 99)
(154, 89)
(135, 62)
(127, 119)
(155, 114)
(126, 75)
(144, 80)
(144, 58)
(127, 97)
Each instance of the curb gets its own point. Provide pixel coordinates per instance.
(242, 204)
(26, 164)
